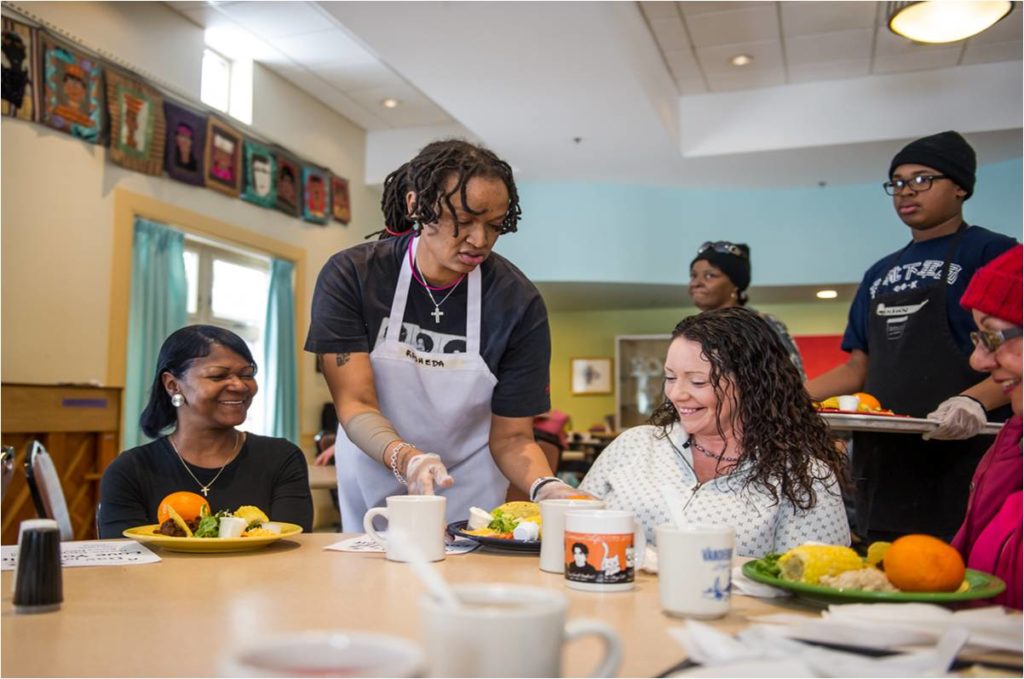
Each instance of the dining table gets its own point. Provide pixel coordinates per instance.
(182, 615)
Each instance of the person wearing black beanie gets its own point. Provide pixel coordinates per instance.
(909, 343)
(719, 278)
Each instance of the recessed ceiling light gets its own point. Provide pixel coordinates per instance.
(390, 102)
(741, 60)
(826, 294)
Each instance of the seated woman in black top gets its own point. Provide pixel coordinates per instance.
(205, 382)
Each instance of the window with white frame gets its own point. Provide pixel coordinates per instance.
(227, 84)
(228, 287)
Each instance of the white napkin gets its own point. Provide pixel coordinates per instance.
(777, 654)
(741, 584)
(365, 543)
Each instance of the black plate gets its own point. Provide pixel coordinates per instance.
(458, 529)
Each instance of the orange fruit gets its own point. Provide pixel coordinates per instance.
(922, 563)
(188, 506)
(868, 401)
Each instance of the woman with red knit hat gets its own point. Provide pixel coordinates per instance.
(990, 538)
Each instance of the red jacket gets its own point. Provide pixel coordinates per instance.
(990, 537)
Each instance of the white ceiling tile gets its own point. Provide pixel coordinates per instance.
(670, 32)
(724, 82)
(406, 95)
(659, 10)
(277, 19)
(989, 52)
(767, 56)
(920, 61)
(737, 25)
(324, 47)
(690, 87)
(347, 77)
(419, 116)
(837, 46)
(1006, 30)
(830, 70)
(683, 64)
(691, 8)
(800, 18)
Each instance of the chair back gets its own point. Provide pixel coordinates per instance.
(7, 467)
(44, 484)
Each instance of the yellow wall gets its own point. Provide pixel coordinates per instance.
(592, 334)
(58, 239)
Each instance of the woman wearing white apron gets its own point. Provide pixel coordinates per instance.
(436, 350)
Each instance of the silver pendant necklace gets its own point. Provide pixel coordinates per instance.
(205, 488)
(436, 313)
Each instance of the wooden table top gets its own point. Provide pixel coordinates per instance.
(177, 617)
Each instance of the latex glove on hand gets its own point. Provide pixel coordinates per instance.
(425, 472)
(558, 490)
(961, 417)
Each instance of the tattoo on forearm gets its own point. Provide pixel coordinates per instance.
(341, 359)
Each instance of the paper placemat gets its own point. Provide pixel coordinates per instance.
(90, 553)
(364, 543)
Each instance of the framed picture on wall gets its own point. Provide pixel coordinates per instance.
(591, 376)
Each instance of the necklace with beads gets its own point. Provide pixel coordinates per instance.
(721, 457)
(205, 487)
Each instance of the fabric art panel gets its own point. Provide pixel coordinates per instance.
(137, 132)
(73, 100)
(289, 184)
(260, 175)
(223, 157)
(340, 207)
(20, 79)
(316, 186)
(185, 144)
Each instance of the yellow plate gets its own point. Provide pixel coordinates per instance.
(148, 536)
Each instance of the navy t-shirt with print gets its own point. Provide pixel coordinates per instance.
(352, 303)
(919, 266)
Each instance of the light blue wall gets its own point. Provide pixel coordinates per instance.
(806, 236)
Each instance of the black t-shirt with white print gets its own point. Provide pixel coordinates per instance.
(352, 303)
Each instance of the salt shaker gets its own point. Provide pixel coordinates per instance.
(38, 587)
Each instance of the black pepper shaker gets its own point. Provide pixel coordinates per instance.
(38, 587)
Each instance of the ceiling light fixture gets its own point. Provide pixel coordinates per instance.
(942, 21)
(390, 102)
(826, 294)
(741, 60)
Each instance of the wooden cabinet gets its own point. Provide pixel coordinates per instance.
(80, 427)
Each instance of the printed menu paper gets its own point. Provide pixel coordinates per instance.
(364, 543)
(90, 553)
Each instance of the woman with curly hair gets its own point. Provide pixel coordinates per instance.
(737, 437)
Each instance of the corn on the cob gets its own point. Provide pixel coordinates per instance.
(807, 563)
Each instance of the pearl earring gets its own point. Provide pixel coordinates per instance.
(177, 400)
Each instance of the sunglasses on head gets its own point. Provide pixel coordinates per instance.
(991, 340)
(722, 246)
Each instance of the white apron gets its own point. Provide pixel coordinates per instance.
(441, 403)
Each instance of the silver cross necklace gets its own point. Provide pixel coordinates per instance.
(436, 313)
(205, 488)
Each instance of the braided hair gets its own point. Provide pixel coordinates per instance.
(427, 176)
(780, 432)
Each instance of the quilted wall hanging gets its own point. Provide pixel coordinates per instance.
(289, 184)
(223, 157)
(316, 188)
(185, 144)
(260, 175)
(73, 100)
(137, 129)
(340, 207)
(20, 80)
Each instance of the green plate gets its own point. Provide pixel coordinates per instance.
(980, 586)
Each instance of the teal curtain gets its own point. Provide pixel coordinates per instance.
(159, 306)
(280, 377)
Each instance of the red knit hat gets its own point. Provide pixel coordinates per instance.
(996, 287)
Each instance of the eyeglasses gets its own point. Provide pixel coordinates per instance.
(992, 340)
(723, 246)
(917, 184)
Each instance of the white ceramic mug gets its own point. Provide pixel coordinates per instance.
(695, 569)
(419, 517)
(507, 631)
(552, 519)
(325, 654)
(602, 549)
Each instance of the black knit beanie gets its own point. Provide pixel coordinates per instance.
(735, 267)
(947, 152)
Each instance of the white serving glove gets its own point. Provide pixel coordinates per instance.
(558, 490)
(961, 417)
(425, 472)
